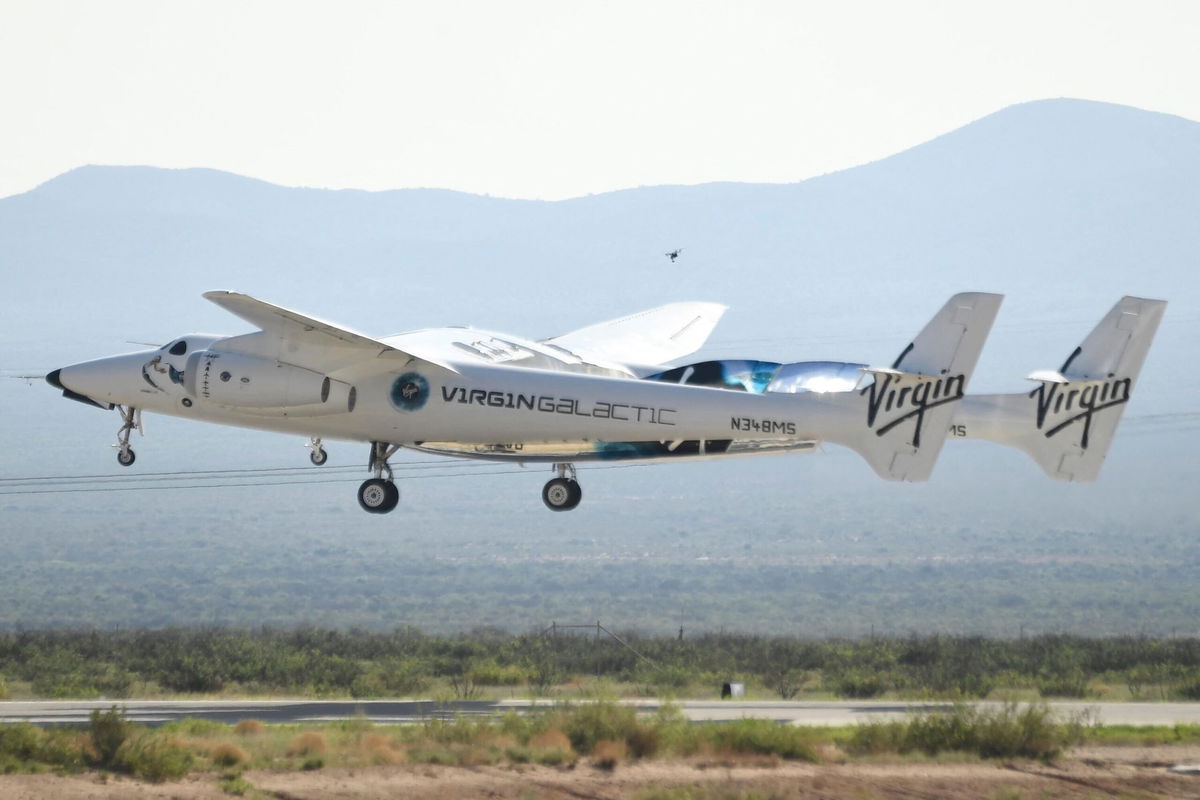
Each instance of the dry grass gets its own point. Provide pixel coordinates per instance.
(607, 754)
(228, 754)
(249, 727)
(379, 749)
(551, 741)
(307, 744)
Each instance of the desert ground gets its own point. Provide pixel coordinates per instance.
(1091, 772)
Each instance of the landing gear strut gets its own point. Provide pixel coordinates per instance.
(379, 495)
(316, 454)
(131, 418)
(562, 493)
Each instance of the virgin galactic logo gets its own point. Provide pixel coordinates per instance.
(409, 392)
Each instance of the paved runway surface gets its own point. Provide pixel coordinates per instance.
(156, 712)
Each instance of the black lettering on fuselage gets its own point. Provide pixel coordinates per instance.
(547, 404)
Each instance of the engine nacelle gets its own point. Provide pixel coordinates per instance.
(232, 379)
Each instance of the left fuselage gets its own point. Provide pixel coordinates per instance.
(411, 402)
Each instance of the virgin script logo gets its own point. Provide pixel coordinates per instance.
(1060, 405)
(893, 399)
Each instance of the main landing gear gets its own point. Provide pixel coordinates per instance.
(562, 493)
(379, 495)
(131, 418)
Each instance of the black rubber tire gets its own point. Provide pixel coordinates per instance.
(126, 457)
(561, 494)
(318, 456)
(393, 497)
(377, 496)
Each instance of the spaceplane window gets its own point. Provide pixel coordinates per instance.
(179, 348)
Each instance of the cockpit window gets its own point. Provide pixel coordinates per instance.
(179, 348)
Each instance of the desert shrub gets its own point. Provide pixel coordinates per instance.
(937, 732)
(1190, 688)
(195, 726)
(20, 741)
(62, 748)
(859, 685)
(380, 749)
(588, 724)
(228, 754)
(249, 727)
(550, 747)
(1026, 732)
(786, 682)
(108, 731)
(875, 738)
(670, 677)
(763, 737)
(643, 741)
(607, 753)
(488, 672)
(154, 758)
(391, 678)
(307, 744)
(1071, 683)
(1010, 731)
(234, 783)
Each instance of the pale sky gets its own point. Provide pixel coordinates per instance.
(553, 99)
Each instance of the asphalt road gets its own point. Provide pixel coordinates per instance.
(157, 712)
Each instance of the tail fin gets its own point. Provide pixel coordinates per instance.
(1067, 423)
(907, 408)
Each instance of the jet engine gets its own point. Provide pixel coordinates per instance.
(240, 381)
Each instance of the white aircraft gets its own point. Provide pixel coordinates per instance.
(605, 393)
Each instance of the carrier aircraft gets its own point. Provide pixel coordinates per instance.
(616, 391)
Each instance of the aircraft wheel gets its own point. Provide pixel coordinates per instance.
(318, 456)
(126, 457)
(378, 496)
(561, 494)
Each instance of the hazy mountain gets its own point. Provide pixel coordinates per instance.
(1063, 205)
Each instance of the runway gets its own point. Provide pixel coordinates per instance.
(278, 712)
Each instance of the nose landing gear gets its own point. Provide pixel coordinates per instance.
(131, 418)
(316, 454)
(379, 495)
(562, 493)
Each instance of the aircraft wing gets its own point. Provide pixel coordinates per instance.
(305, 331)
(648, 338)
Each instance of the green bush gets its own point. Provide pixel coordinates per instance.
(860, 685)
(20, 741)
(1190, 688)
(108, 731)
(60, 748)
(487, 672)
(763, 737)
(587, 724)
(1009, 731)
(154, 759)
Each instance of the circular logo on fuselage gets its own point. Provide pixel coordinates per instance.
(409, 392)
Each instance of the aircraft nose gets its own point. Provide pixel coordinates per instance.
(102, 382)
